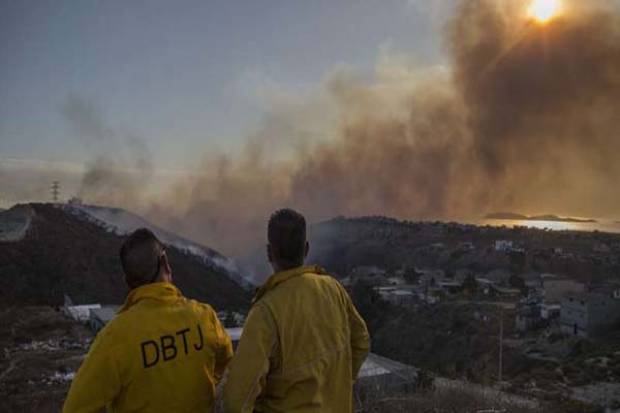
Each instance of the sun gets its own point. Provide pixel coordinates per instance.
(544, 10)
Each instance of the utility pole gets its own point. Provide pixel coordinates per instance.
(55, 191)
(501, 339)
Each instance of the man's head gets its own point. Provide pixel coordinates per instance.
(144, 259)
(287, 246)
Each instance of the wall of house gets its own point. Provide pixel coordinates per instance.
(574, 313)
(603, 313)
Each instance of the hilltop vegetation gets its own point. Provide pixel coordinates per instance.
(62, 253)
(341, 244)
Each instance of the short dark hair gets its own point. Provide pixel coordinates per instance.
(287, 236)
(140, 256)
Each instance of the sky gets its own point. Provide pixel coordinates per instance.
(185, 76)
(205, 116)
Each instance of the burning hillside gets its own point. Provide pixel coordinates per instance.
(60, 252)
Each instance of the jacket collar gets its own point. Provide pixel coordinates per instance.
(283, 276)
(160, 291)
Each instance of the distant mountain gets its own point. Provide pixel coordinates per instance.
(506, 215)
(47, 251)
(550, 217)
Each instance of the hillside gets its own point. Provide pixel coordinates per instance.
(545, 217)
(47, 251)
(342, 244)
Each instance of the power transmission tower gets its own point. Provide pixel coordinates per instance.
(55, 191)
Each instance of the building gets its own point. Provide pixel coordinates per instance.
(550, 311)
(504, 292)
(528, 317)
(398, 296)
(380, 376)
(429, 278)
(368, 274)
(80, 313)
(403, 295)
(499, 276)
(601, 248)
(451, 286)
(396, 281)
(503, 245)
(235, 335)
(231, 318)
(589, 314)
(484, 284)
(555, 287)
(364, 271)
(99, 317)
(531, 279)
(466, 246)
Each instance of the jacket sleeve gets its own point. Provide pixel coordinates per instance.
(97, 381)
(250, 366)
(224, 352)
(360, 338)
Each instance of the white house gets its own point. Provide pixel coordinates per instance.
(503, 245)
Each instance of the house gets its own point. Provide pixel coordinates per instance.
(346, 282)
(380, 376)
(550, 311)
(397, 296)
(80, 313)
(503, 245)
(528, 317)
(556, 287)
(436, 247)
(504, 292)
(235, 335)
(462, 274)
(396, 281)
(499, 276)
(364, 271)
(430, 277)
(532, 279)
(601, 248)
(466, 246)
(484, 284)
(99, 317)
(231, 318)
(589, 314)
(451, 287)
(369, 274)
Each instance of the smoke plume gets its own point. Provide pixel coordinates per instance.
(523, 116)
(121, 162)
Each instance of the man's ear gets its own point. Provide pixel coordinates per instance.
(165, 265)
(269, 253)
(307, 249)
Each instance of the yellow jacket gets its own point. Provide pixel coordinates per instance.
(161, 353)
(302, 346)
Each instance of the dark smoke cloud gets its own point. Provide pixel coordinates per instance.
(121, 164)
(540, 101)
(523, 118)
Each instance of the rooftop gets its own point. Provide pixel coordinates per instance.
(105, 313)
(377, 366)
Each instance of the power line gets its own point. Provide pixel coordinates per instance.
(55, 191)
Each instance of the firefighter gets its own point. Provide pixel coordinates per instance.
(161, 353)
(303, 342)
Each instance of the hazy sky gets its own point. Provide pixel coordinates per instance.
(184, 75)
